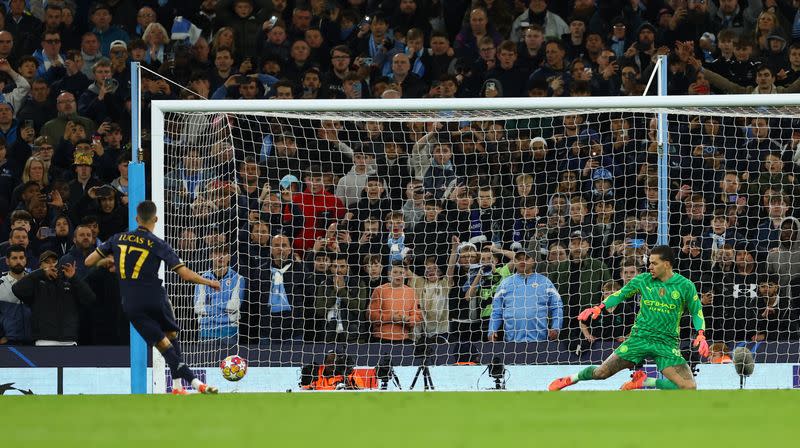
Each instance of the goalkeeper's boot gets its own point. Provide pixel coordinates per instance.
(636, 382)
(560, 383)
(206, 389)
(179, 391)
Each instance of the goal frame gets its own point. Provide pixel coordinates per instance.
(641, 104)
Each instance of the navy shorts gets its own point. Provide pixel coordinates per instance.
(152, 321)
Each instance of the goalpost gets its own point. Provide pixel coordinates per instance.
(578, 182)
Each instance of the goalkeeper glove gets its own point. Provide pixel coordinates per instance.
(593, 311)
(701, 344)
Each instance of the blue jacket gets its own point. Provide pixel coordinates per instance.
(219, 311)
(523, 305)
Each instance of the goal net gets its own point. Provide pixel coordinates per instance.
(386, 233)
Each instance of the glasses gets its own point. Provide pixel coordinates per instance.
(118, 52)
(53, 41)
(5, 41)
(65, 101)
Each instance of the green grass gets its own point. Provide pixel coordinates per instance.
(376, 420)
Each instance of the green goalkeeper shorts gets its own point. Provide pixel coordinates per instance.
(636, 348)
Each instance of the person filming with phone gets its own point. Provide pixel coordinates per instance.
(102, 101)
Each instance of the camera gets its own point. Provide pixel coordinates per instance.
(487, 269)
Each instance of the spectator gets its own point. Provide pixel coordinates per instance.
(340, 306)
(288, 293)
(468, 40)
(38, 107)
(526, 305)
(25, 27)
(433, 293)
(730, 15)
(394, 309)
(507, 72)
(84, 244)
(441, 173)
(615, 325)
(537, 14)
(351, 185)
(102, 100)
(15, 316)
(411, 85)
(218, 312)
(157, 40)
(784, 259)
(59, 241)
(769, 229)
(578, 280)
(84, 179)
(56, 129)
(54, 293)
(106, 32)
(771, 312)
(320, 208)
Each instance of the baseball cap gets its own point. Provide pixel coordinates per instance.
(46, 255)
(602, 174)
(288, 180)
(578, 234)
(118, 43)
(527, 252)
(538, 140)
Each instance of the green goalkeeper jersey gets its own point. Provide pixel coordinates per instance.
(662, 305)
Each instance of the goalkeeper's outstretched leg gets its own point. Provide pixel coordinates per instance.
(677, 377)
(608, 368)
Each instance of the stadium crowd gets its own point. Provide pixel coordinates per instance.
(364, 231)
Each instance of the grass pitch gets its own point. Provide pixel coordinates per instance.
(376, 420)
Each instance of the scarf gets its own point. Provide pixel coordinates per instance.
(278, 300)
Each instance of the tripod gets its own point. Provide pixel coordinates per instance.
(426, 376)
(393, 377)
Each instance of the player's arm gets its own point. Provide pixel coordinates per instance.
(190, 276)
(100, 257)
(631, 288)
(698, 321)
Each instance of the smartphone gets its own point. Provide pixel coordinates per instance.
(96, 139)
(612, 59)
(27, 124)
(357, 89)
(242, 79)
(365, 21)
(491, 86)
(272, 21)
(636, 243)
(366, 61)
(733, 197)
(47, 232)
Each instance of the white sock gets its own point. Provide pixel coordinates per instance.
(177, 383)
(196, 384)
(574, 377)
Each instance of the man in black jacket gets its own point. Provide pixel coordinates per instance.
(53, 293)
(286, 297)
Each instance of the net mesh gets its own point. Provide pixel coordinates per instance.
(307, 219)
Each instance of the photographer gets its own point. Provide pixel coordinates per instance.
(53, 292)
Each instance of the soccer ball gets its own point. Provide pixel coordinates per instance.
(233, 368)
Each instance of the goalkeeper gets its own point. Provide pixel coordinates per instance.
(665, 294)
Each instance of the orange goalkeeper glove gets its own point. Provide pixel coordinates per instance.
(701, 344)
(593, 311)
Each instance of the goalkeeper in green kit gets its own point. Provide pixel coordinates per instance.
(665, 295)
